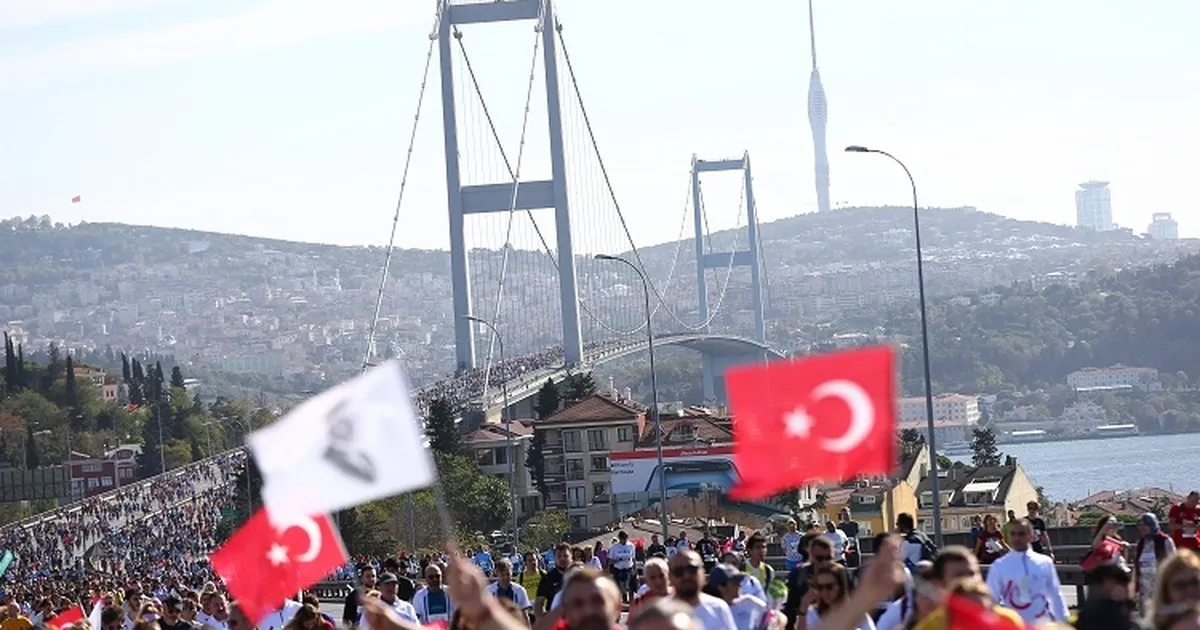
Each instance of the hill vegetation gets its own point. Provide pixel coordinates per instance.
(1027, 339)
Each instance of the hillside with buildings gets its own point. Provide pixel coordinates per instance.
(287, 317)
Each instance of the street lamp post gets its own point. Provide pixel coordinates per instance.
(933, 463)
(662, 479)
(246, 434)
(507, 414)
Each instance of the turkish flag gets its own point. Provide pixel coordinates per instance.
(967, 614)
(68, 617)
(262, 565)
(825, 418)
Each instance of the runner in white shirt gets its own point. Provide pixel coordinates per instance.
(280, 618)
(840, 541)
(1027, 581)
(687, 576)
(504, 586)
(620, 563)
(387, 584)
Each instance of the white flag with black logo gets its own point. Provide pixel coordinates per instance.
(355, 443)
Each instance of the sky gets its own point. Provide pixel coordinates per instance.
(291, 118)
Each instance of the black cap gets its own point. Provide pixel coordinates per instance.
(387, 578)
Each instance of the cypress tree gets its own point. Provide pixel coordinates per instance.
(69, 384)
(177, 378)
(125, 373)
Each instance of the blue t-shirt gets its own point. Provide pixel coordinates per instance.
(436, 606)
(483, 560)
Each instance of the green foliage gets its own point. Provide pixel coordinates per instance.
(535, 460)
(441, 429)
(983, 449)
(177, 378)
(1091, 517)
(1030, 338)
(365, 533)
(547, 401)
(577, 386)
(545, 529)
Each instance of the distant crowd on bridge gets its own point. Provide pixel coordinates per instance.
(466, 387)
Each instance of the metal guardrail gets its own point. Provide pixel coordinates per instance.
(63, 510)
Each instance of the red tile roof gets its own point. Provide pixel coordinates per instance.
(594, 408)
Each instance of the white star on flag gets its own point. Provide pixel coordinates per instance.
(278, 554)
(799, 423)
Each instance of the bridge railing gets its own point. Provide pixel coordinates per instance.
(107, 495)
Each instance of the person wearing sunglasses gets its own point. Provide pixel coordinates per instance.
(687, 578)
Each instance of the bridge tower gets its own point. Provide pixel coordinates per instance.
(531, 195)
(747, 257)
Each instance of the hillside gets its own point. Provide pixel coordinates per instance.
(1026, 338)
(284, 317)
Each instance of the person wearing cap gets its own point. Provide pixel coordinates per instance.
(725, 581)
(387, 585)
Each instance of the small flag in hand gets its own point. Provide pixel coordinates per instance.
(355, 443)
(824, 418)
(76, 199)
(262, 564)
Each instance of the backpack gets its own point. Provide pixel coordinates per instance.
(929, 550)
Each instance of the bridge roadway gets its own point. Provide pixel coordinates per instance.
(526, 385)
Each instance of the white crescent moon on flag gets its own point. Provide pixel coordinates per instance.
(862, 414)
(310, 528)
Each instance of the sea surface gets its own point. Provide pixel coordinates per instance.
(1073, 470)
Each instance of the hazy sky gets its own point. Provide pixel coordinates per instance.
(290, 118)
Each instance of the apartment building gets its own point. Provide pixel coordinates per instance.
(579, 441)
(966, 493)
(490, 444)
(1114, 377)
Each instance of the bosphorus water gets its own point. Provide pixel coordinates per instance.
(1073, 470)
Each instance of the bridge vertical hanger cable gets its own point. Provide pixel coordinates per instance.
(621, 215)
(512, 209)
(537, 229)
(391, 246)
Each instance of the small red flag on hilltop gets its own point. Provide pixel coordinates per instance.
(830, 417)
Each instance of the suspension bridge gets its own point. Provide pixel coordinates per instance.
(528, 217)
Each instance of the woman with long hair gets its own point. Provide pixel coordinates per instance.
(1178, 587)
(990, 545)
(829, 587)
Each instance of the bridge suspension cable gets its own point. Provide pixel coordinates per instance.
(516, 186)
(512, 172)
(391, 246)
(660, 298)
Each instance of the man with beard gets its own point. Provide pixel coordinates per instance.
(552, 581)
(590, 600)
(687, 577)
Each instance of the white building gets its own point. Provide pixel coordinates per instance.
(1163, 227)
(1115, 377)
(952, 408)
(1093, 206)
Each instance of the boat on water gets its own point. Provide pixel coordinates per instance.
(1115, 430)
(1022, 437)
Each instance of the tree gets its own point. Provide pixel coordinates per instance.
(578, 385)
(126, 375)
(365, 532)
(912, 437)
(441, 428)
(32, 459)
(478, 502)
(69, 391)
(983, 449)
(546, 528)
(535, 460)
(150, 459)
(177, 378)
(53, 367)
(547, 400)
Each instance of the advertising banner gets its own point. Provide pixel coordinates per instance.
(683, 470)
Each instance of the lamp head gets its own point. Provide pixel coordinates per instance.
(604, 257)
(854, 148)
